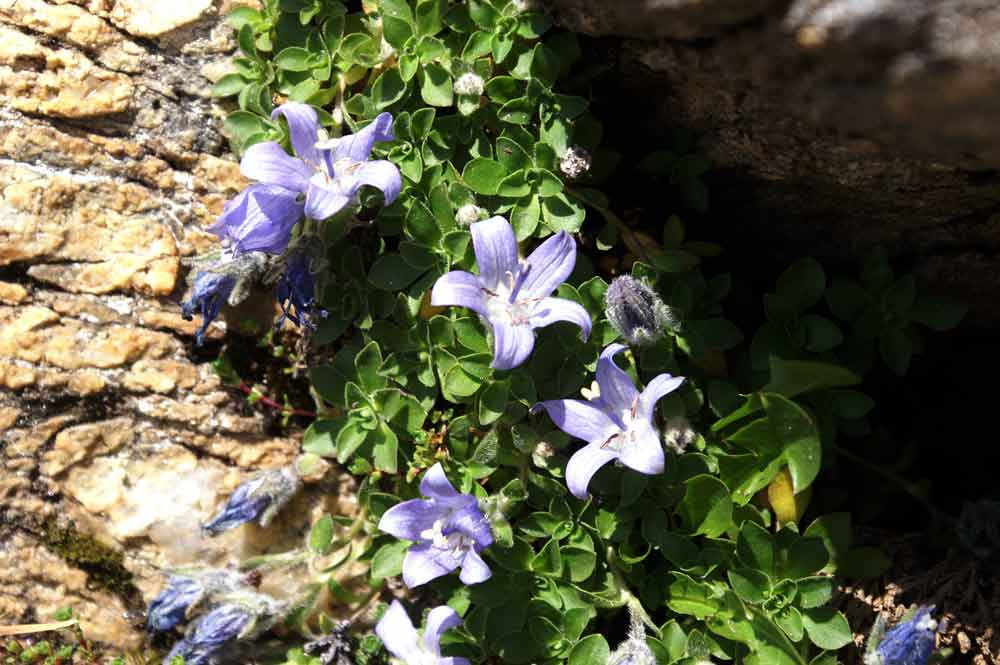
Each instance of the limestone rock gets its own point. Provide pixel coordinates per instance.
(114, 429)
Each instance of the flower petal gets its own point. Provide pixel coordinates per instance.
(656, 389)
(496, 250)
(461, 289)
(398, 634)
(260, 219)
(407, 520)
(550, 310)
(439, 620)
(511, 345)
(381, 174)
(617, 390)
(583, 465)
(643, 452)
(270, 164)
(580, 419)
(424, 562)
(303, 128)
(357, 147)
(436, 485)
(471, 521)
(322, 203)
(453, 661)
(474, 569)
(551, 263)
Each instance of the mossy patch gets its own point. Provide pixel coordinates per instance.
(104, 565)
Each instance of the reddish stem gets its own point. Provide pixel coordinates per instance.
(267, 401)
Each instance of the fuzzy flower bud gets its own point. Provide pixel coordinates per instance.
(470, 213)
(677, 434)
(186, 589)
(470, 84)
(575, 162)
(637, 313)
(634, 650)
(258, 499)
(910, 642)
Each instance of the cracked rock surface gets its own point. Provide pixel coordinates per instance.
(112, 428)
(835, 125)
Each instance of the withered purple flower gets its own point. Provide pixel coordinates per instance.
(513, 295)
(448, 529)
(616, 422)
(258, 499)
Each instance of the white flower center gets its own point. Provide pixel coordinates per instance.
(635, 428)
(455, 541)
(507, 303)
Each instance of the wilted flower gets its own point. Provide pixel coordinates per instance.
(448, 529)
(402, 640)
(211, 290)
(469, 83)
(575, 162)
(636, 312)
(909, 643)
(223, 624)
(634, 650)
(328, 172)
(185, 590)
(616, 423)
(296, 291)
(259, 498)
(512, 295)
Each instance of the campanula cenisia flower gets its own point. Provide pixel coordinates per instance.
(513, 295)
(186, 589)
(296, 291)
(616, 421)
(327, 172)
(260, 218)
(636, 312)
(223, 624)
(402, 640)
(909, 643)
(258, 499)
(448, 528)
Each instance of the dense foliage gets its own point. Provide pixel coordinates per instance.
(683, 538)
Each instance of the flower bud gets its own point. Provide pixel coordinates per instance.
(186, 589)
(911, 642)
(469, 214)
(634, 650)
(470, 84)
(258, 499)
(678, 434)
(575, 162)
(637, 313)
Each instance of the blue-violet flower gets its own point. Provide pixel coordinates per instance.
(327, 172)
(296, 291)
(259, 498)
(223, 624)
(186, 589)
(512, 295)
(448, 529)
(616, 421)
(909, 643)
(211, 290)
(402, 640)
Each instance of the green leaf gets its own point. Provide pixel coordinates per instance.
(493, 401)
(789, 619)
(815, 591)
(429, 14)
(863, 563)
(483, 175)
(579, 563)
(366, 364)
(561, 214)
(822, 334)
(688, 596)
(804, 557)
(436, 85)
(388, 560)
(718, 333)
(755, 547)
(802, 284)
(400, 409)
(826, 627)
(398, 9)
(392, 273)
(319, 439)
(386, 448)
(749, 584)
(896, 350)
(797, 436)
(549, 560)
(706, 508)
(524, 218)
(544, 66)
(938, 313)
(836, 533)
(591, 650)
(518, 111)
(294, 59)
(396, 32)
(422, 225)
(228, 85)
(321, 535)
(388, 89)
(795, 377)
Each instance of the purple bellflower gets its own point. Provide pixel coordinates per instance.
(909, 643)
(401, 639)
(512, 295)
(223, 624)
(327, 172)
(211, 290)
(616, 421)
(258, 499)
(448, 529)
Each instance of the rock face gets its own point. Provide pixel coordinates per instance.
(836, 124)
(115, 440)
